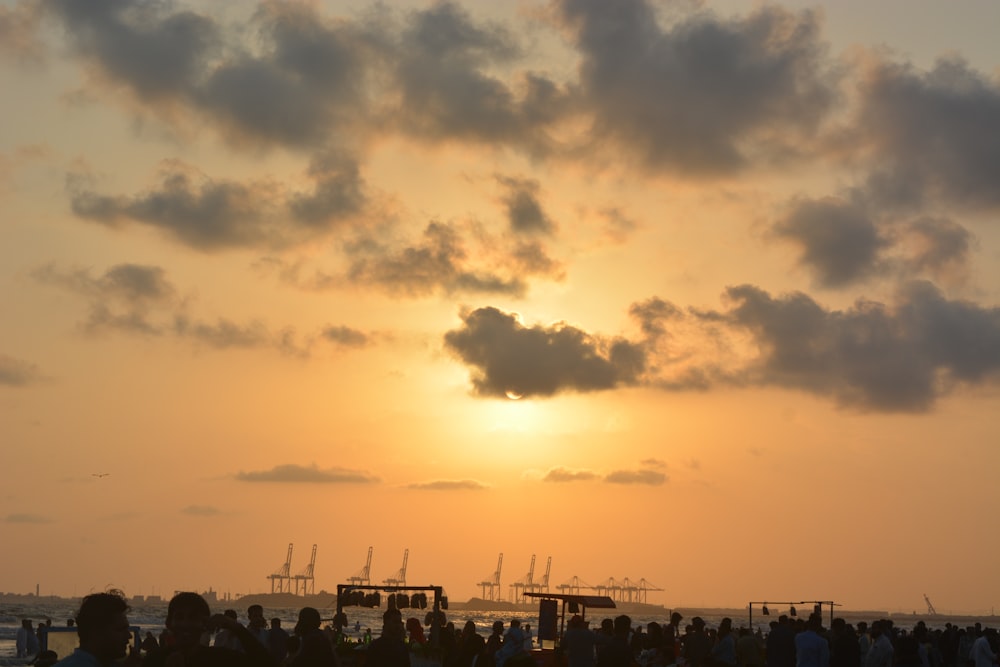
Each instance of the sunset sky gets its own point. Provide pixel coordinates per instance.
(706, 293)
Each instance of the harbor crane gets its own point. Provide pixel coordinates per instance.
(363, 576)
(283, 575)
(525, 583)
(399, 579)
(930, 608)
(644, 588)
(306, 578)
(573, 586)
(543, 585)
(492, 585)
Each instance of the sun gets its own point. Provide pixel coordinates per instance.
(513, 395)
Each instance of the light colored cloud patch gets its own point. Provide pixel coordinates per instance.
(448, 485)
(311, 474)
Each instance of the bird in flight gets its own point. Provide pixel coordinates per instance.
(99, 474)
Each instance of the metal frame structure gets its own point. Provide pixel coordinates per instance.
(581, 601)
(439, 598)
(791, 605)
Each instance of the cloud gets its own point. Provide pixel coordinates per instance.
(652, 313)
(346, 336)
(211, 214)
(140, 300)
(448, 485)
(870, 356)
(439, 261)
(931, 135)
(444, 68)
(839, 241)
(941, 246)
(506, 356)
(900, 357)
(123, 298)
(701, 95)
(17, 372)
(294, 78)
(649, 477)
(27, 518)
(312, 474)
(201, 511)
(524, 210)
(561, 474)
(653, 463)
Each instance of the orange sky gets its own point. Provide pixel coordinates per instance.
(701, 293)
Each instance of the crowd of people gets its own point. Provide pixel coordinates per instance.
(195, 637)
(789, 643)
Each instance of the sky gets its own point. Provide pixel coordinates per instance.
(701, 293)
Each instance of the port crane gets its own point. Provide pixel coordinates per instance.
(525, 583)
(543, 585)
(306, 578)
(363, 576)
(283, 575)
(399, 579)
(492, 585)
(930, 608)
(573, 586)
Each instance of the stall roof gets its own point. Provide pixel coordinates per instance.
(594, 601)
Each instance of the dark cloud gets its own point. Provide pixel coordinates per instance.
(532, 258)
(506, 356)
(569, 475)
(941, 244)
(17, 372)
(140, 300)
(201, 511)
(870, 356)
(122, 298)
(346, 336)
(439, 262)
(449, 485)
(524, 210)
(652, 313)
(445, 64)
(298, 81)
(210, 215)
(650, 477)
(312, 474)
(701, 95)
(26, 518)
(934, 135)
(839, 241)
(224, 333)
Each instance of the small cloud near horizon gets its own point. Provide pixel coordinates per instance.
(311, 474)
(561, 474)
(448, 485)
(650, 477)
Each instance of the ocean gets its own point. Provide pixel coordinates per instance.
(152, 616)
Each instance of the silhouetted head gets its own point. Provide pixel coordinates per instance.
(187, 619)
(622, 625)
(102, 624)
(309, 621)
